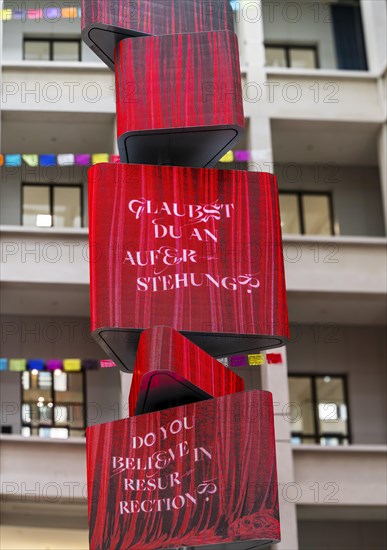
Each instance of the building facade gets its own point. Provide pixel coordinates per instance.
(314, 87)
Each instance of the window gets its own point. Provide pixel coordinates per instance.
(306, 213)
(52, 49)
(295, 57)
(319, 409)
(53, 404)
(52, 205)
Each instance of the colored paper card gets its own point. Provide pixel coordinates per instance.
(158, 257)
(6, 14)
(70, 13)
(47, 160)
(238, 361)
(228, 157)
(82, 160)
(89, 364)
(99, 157)
(34, 14)
(17, 365)
(35, 364)
(223, 360)
(72, 365)
(3, 364)
(52, 12)
(66, 159)
(152, 129)
(54, 364)
(31, 160)
(107, 364)
(1, 160)
(170, 371)
(274, 358)
(242, 156)
(19, 15)
(197, 476)
(105, 23)
(256, 359)
(114, 158)
(13, 160)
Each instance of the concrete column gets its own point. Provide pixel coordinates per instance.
(1, 65)
(382, 149)
(255, 90)
(275, 380)
(126, 381)
(374, 15)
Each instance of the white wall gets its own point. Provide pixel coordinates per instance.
(359, 352)
(14, 31)
(301, 23)
(342, 535)
(11, 179)
(10, 401)
(36, 538)
(356, 190)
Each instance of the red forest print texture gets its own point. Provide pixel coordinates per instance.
(173, 478)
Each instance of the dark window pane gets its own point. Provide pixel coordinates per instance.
(316, 215)
(302, 58)
(36, 50)
(67, 207)
(290, 218)
(36, 206)
(275, 56)
(74, 393)
(60, 381)
(301, 411)
(66, 51)
(37, 389)
(331, 407)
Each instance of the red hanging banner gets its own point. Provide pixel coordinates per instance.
(197, 250)
(200, 476)
(105, 23)
(170, 371)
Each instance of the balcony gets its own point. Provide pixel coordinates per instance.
(336, 280)
(326, 95)
(39, 469)
(341, 476)
(57, 86)
(47, 270)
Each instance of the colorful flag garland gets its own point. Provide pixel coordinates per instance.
(87, 159)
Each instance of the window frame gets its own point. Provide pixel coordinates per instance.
(68, 427)
(317, 436)
(51, 41)
(51, 187)
(301, 211)
(287, 48)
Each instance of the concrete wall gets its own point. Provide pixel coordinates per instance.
(10, 401)
(59, 337)
(103, 395)
(358, 352)
(14, 31)
(11, 179)
(356, 194)
(342, 535)
(301, 23)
